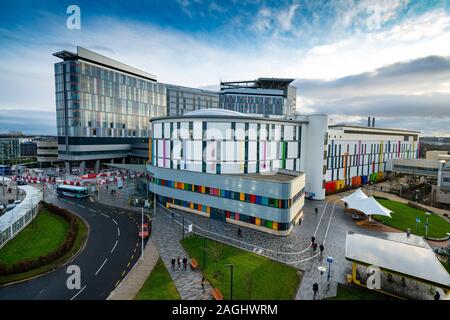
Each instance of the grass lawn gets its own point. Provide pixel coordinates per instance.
(268, 279)
(358, 293)
(159, 285)
(43, 235)
(404, 217)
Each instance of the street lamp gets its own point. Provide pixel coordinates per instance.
(204, 253)
(427, 224)
(231, 266)
(322, 270)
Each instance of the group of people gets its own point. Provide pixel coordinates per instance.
(178, 261)
(314, 245)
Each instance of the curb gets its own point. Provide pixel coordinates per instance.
(82, 247)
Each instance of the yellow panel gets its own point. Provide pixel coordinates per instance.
(192, 205)
(208, 209)
(258, 221)
(275, 225)
(242, 196)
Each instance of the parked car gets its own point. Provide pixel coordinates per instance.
(144, 231)
(10, 206)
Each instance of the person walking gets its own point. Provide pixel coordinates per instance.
(314, 246)
(315, 289)
(321, 248)
(203, 284)
(316, 210)
(179, 262)
(185, 263)
(313, 238)
(239, 232)
(173, 263)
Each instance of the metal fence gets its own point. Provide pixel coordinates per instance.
(17, 223)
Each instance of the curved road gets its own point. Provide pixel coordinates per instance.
(111, 250)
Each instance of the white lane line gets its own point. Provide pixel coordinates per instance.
(105, 215)
(329, 223)
(92, 210)
(118, 231)
(321, 216)
(81, 290)
(81, 206)
(71, 202)
(101, 266)
(115, 221)
(115, 244)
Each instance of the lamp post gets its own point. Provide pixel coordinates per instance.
(204, 253)
(427, 224)
(231, 266)
(322, 270)
(142, 234)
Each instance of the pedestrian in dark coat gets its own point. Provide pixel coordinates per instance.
(185, 263)
(172, 262)
(321, 248)
(179, 262)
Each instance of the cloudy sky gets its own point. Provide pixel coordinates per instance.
(352, 59)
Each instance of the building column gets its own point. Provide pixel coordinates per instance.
(123, 160)
(67, 165)
(97, 166)
(82, 167)
(112, 160)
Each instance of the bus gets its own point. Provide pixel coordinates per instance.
(71, 191)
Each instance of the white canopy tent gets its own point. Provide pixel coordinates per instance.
(355, 197)
(367, 205)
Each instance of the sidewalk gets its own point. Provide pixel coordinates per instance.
(167, 235)
(132, 283)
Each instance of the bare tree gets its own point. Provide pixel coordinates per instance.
(248, 279)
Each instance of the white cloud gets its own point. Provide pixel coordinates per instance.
(203, 59)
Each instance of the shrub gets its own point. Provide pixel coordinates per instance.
(27, 265)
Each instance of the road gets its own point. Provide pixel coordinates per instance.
(111, 250)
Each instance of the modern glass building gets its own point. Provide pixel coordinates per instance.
(263, 96)
(103, 107)
(181, 100)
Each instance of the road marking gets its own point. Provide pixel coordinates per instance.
(137, 244)
(92, 210)
(101, 266)
(128, 265)
(105, 215)
(70, 202)
(123, 273)
(321, 216)
(117, 283)
(132, 257)
(134, 250)
(329, 223)
(115, 244)
(118, 231)
(81, 206)
(81, 290)
(115, 221)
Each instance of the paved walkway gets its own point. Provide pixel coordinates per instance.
(132, 283)
(166, 235)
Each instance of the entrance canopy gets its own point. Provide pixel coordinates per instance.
(409, 260)
(367, 205)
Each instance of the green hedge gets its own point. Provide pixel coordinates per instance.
(30, 264)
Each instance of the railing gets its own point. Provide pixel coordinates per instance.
(15, 220)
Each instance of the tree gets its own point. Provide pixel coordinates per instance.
(248, 280)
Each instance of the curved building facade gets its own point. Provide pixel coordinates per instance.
(230, 167)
